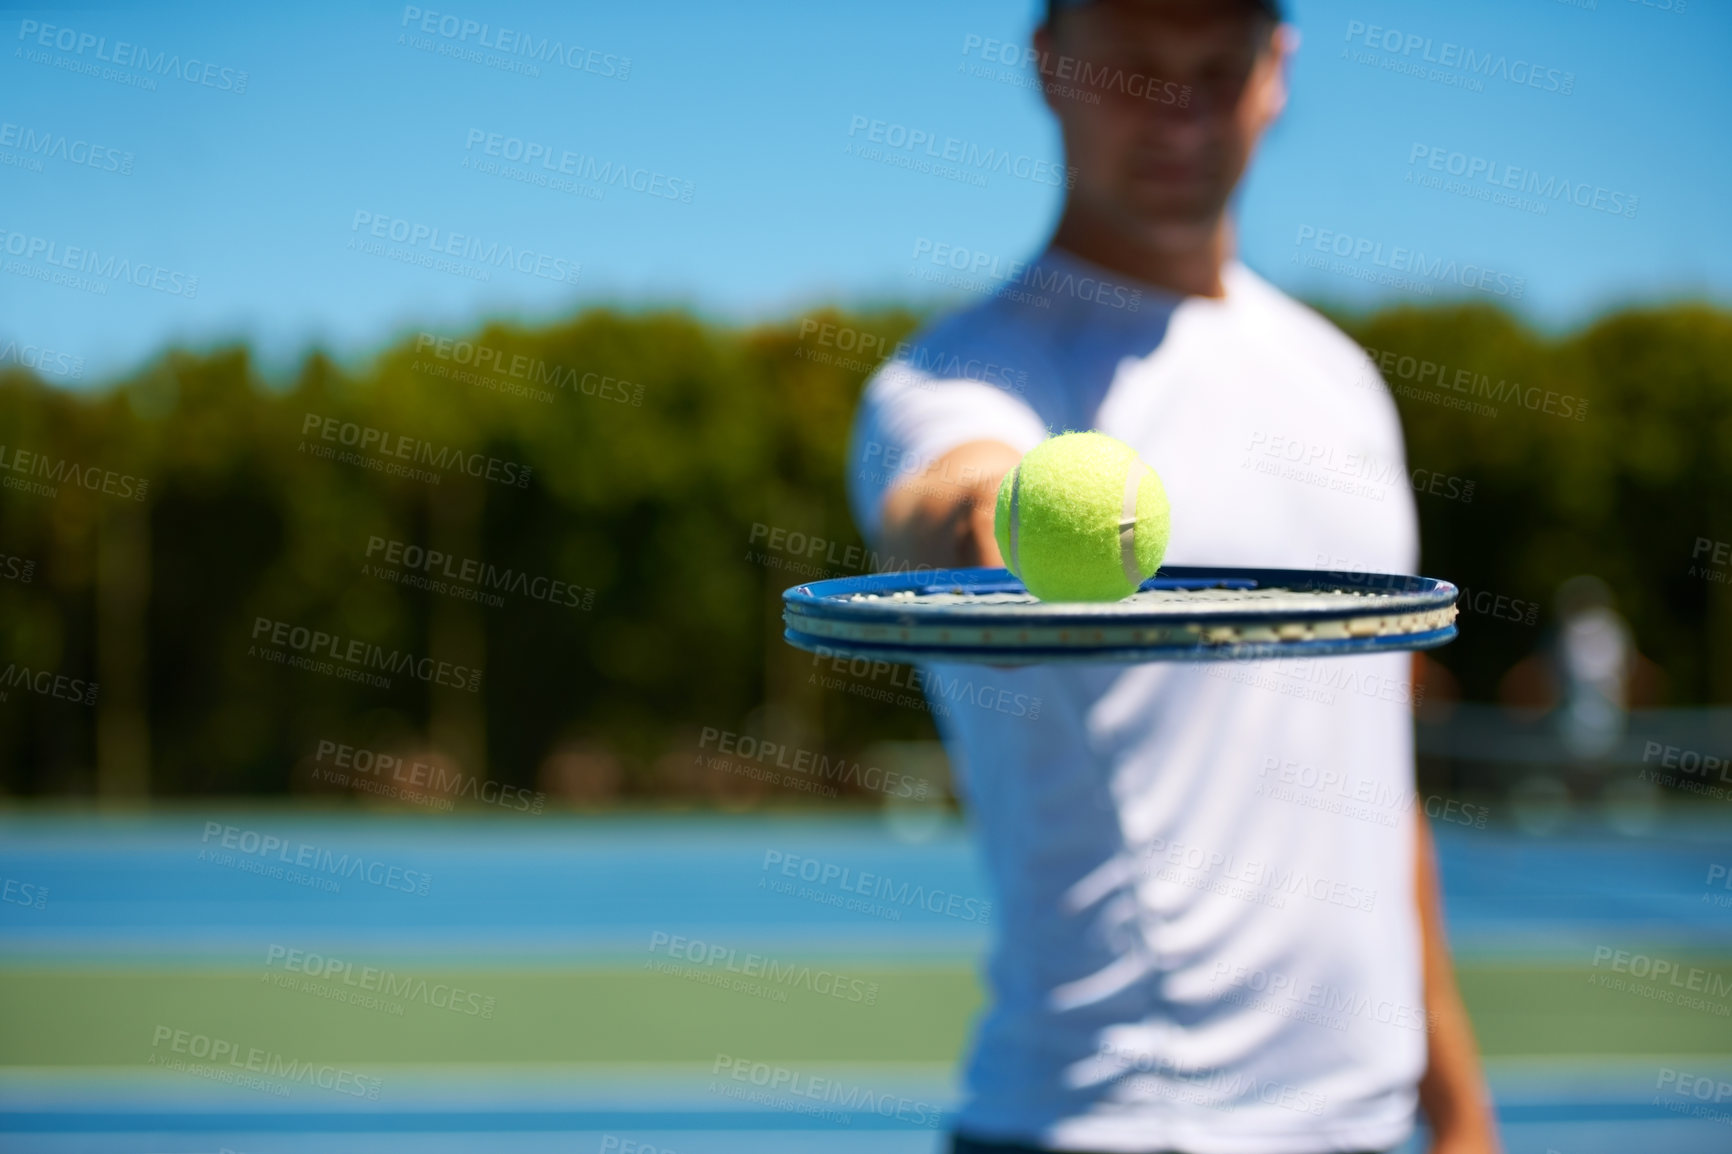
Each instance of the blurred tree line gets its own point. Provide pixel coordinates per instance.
(599, 517)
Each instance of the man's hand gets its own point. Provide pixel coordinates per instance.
(1452, 1093)
(942, 516)
(1466, 1144)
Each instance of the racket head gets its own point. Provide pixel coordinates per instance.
(1182, 613)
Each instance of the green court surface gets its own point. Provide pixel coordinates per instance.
(111, 1017)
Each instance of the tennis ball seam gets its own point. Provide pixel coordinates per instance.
(1128, 524)
(1154, 522)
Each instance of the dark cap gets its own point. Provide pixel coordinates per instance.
(1053, 7)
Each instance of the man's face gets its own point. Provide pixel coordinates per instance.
(1185, 88)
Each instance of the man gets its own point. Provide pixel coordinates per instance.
(1220, 930)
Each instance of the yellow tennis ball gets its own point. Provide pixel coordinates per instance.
(1081, 518)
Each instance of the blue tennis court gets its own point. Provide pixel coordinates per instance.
(262, 981)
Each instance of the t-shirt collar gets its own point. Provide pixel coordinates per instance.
(1151, 298)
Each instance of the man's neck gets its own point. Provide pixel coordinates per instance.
(1190, 267)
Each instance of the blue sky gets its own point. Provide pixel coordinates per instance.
(358, 116)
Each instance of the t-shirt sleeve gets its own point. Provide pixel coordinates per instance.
(908, 419)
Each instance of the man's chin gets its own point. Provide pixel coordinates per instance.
(1176, 225)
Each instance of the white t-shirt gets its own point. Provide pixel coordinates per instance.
(1204, 873)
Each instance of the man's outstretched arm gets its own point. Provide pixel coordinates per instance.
(1452, 1093)
(943, 516)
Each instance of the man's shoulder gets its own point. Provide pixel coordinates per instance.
(1300, 329)
(993, 342)
(992, 323)
(1306, 351)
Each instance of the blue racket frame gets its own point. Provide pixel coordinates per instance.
(820, 616)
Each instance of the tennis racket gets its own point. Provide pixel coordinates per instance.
(1182, 613)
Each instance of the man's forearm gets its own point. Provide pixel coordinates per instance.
(943, 515)
(1452, 1092)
